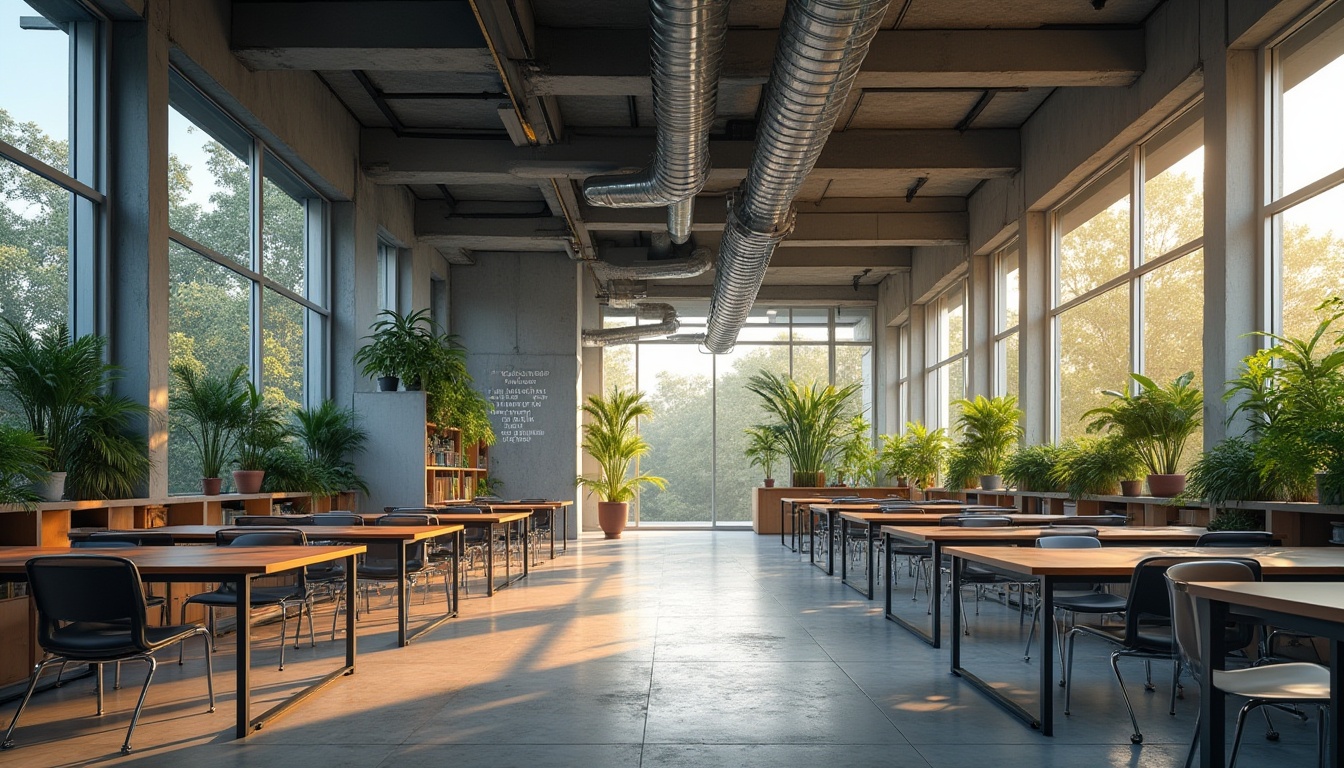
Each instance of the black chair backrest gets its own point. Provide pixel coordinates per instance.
(533, 501)
(1236, 539)
(338, 518)
(1148, 598)
(398, 518)
(976, 521)
(1094, 520)
(487, 499)
(1065, 531)
(102, 544)
(271, 520)
(273, 537)
(464, 510)
(413, 511)
(136, 538)
(85, 588)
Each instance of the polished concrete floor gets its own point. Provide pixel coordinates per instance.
(665, 648)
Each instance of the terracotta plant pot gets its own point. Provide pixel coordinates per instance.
(387, 383)
(1131, 487)
(1166, 486)
(210, 486)
(248, 480)
(611, 515)
(769, 482)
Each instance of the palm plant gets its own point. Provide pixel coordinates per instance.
(990, 428)
(812, 418)
(963, 467)
(765, 446)
(894, 457)
(22, 458)
(261, 431)
(61, 387)
(855, 459)
(1157, 421)
(330, 436)
(610, 437)
(211, 411)
(928, 452)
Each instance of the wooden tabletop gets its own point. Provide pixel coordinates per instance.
(1109, 534)
(1312, 599)
(928, 509)
(927, 519)
(198, 534)
(186, 561)
(512, 506)
(482, 517)
(1120, 561)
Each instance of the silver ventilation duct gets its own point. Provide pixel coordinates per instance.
(686, 54)
(665, 313)
(822, 43)
(699, 262)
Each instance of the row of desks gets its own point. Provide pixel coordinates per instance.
(1298, 601)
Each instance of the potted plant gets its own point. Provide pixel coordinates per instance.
(1227, 471)
(1095, 467)
(963, 468)
(398, 346)
(811, 418)
(61, 387)
(211, 411)
(990, 428)
(894, 459)
(261, 432)
(855, 459)
(23, 460)
(1033, 468)
(1157, 421)
(764, 447)
(928, 453)
(611, 438)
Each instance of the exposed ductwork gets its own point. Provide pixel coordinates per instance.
(699, 262)
(686, 52)
(822, 43)
(664, 313)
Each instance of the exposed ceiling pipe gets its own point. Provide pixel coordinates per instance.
(700, 261)
(667, 324)
(822, 43)
(686, 54)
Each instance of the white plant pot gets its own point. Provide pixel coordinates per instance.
(53, 489)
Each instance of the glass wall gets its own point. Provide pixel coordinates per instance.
(1129, 267)
(945, 378)
(1307, 172)
(702, 406)
(247, 269)
(1005, 320)
(51, 186)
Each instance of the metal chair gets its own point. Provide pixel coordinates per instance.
(91, 608)
(976, 521)
(380, 562)
(1094, 520)
(1236, 539)
(272, 520)
(283, 590)
(1081, 597)
(1294, 682)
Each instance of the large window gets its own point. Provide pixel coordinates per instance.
(51, 182)
(1306, 191)
(247, 276)
(701, 403)
(945, 379)
(1005, 321)
(1129, 269)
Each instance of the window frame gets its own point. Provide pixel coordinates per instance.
(1002, 332)
(935, 330)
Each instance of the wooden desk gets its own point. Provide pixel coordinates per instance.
(488, 521)
(1313, 607)
(938, 537)
(364, 534)
(911, 513)
(549, 507)
(795, 504)
(237, 566)
(1114, 564)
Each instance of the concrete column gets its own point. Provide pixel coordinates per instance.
(920, 409)
(1036, 359)
(980, 327)
(137, 293)
(345, 334)
(1235, 293)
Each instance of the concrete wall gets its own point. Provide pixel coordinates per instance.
(517, 314)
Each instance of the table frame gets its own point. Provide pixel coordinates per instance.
(267, 561)
(489, 520)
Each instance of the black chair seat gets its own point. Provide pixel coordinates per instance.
(1091, 602)
(387, 572)
(95, 641)
(261, 596)
(912, 550)
(1146, 640)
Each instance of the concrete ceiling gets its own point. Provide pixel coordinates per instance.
(935, 111)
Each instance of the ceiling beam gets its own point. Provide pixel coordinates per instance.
(359, 34)
(859, 155)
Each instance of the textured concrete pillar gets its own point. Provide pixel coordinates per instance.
(980, 327)
(1036, 359)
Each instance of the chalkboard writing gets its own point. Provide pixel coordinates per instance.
(517, 395)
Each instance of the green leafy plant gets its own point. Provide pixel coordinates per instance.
(856, 461)
(1033, 468)
(1157, 421)
(261, 431)
(611, 438)
(489, 485)
(1237, 520)
(963, 469)
(928, 449)
(398, 346)
(990, 428)
(330, 437)
(765, 447)
(450, 398)
(1229, 470)
(22, 461)
(210, 410)
(812, 418)
(1095, 466)
(61, 386)
(893, 458)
